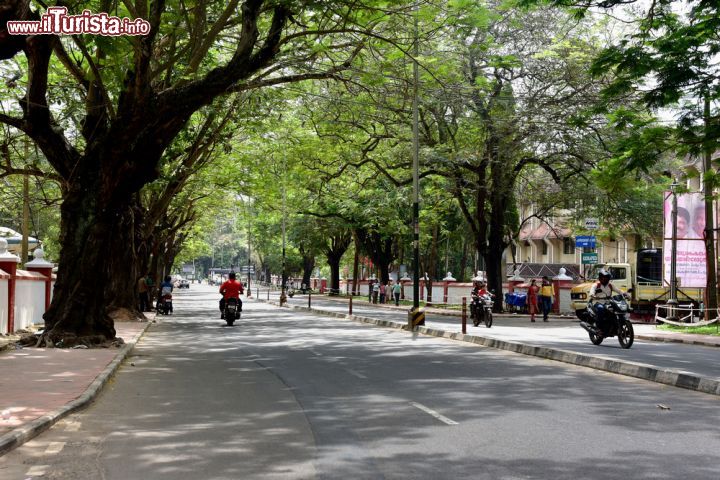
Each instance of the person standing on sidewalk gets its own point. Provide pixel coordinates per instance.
(375, 291)
(532, 299)
(382, 293)
(388, 291)
(143, 294)
(547, 293)
(396, 289)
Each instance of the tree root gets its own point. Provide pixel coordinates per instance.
(71, 340)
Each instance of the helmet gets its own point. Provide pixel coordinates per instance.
(604, 275)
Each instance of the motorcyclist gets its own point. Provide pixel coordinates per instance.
(230, 289)
(166, 289)
(479, 290)
(600, 292)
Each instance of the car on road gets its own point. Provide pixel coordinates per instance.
(183, 284)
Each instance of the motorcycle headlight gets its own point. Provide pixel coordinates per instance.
(623, 307)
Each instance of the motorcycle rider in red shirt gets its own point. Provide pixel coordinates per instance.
(230, 289)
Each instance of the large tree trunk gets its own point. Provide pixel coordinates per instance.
(91, 237)
(308, 262)
(334, 263)
(380, 250)
(334, 251)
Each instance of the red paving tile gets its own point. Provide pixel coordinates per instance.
(37, 381)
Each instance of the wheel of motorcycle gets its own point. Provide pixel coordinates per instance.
(488, 319)
(476, 320)
(230, 320)
(626, 334)
(596, 339)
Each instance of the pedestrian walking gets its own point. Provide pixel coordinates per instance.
(370, 290)
(396, 292)
(382, 293)
(547, 293)
(388, 291)
(532, 299)
(375, 292)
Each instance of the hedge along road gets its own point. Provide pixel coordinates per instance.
(287, 395)
(561, 334)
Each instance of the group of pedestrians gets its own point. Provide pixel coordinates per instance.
(384, 293)
(540, 298)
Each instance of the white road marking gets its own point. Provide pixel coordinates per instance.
(357, 374)
(37, 471)
(54, 448)
(73, 426)
(433, 413)
(316, 353)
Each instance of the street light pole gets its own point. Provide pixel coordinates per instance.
(673, 301)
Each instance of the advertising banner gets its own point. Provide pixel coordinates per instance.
(690, 258)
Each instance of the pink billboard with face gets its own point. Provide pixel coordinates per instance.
(690, 261)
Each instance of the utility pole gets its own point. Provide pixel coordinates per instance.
(283, 297)
(673, 301)
(711, 290)
(416, 316)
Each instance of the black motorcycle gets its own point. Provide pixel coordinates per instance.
(609, 320)
(232, 311)
(164, 305)
(481, 309)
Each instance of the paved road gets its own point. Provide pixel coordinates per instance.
(564, 334)
(290, 395)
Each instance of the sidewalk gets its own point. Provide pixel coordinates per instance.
(41, 386)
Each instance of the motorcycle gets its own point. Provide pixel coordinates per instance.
(481, 309)
(613, 321)
(232, 311)
(164, 305)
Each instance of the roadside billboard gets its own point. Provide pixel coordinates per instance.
(690, 260)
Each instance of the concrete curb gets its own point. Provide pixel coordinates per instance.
(27, 432)
(661, 338)
(631, 369)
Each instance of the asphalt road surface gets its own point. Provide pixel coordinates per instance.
(563, 334)
(284, 395)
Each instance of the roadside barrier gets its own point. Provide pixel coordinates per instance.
(684, 315)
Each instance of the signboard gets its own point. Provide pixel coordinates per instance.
(592, 224)
(244, 269)
(188, 268)
(691, 255)
(587, 241)
(589, 258)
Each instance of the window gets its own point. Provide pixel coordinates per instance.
(545, 248)
(618, 273)
(568, 246)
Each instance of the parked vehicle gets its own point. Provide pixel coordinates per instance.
(646, 285)
(481, 309)
(232, 311)
(609, 319)
(164, 305)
